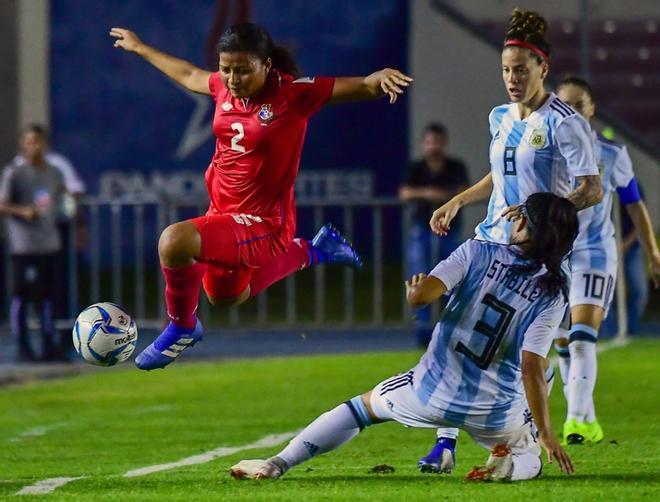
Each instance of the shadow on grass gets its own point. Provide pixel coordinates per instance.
(648, 477)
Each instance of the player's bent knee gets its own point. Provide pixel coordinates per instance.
(366, 399)
(179, 244)
(231, 301)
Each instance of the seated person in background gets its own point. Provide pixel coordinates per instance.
(430, 182)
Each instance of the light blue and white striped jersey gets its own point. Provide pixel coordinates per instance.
(595, 246)
(471, 372)
(543, 153)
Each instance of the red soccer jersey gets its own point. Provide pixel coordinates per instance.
(258, 146)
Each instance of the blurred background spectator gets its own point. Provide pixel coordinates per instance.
(31, 195)
(68, 217)
(430, 182)
(637, 282)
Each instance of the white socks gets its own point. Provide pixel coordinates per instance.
(582, 373)
(447, 432)
(525, 466)
(326, 433)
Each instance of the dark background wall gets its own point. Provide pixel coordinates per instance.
(9, 79)
(110, 110)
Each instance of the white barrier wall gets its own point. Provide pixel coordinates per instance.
(457, 82)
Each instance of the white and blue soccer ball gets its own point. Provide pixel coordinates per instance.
(104, 334)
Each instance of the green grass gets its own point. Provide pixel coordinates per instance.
(109, 421)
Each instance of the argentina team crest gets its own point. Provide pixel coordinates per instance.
(265, 114)
(538, 138)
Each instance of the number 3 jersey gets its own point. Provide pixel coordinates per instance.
(258, 147)
(471, 372)
(543, 153)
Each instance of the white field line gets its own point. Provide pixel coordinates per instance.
(223, 451)
(45, 486)
(154, 409)
(50, 485)
(40, 430)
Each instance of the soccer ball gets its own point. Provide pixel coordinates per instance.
(104, 334)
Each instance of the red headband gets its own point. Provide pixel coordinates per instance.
(527, 45)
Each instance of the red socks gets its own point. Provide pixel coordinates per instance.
(298, 256)
(182, 287)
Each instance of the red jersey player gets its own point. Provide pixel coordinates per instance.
(245, 242)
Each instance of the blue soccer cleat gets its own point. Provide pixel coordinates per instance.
(441, 458)
(168, 346)
(335, 248)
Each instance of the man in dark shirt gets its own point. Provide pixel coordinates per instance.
(430, 182)
(636, 279)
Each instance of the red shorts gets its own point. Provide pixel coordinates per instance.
(233, 246)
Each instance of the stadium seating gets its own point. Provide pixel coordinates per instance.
(625, 65)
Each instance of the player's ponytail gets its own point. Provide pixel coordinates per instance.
(253, 39)
(553, 226)
(527, 29)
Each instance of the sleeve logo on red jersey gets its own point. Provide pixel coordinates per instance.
(304, 80)
(265, 114)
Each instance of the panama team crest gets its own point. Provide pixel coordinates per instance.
(265, 114)
(537, 138)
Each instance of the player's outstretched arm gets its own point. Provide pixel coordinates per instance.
(640, 217)
(182, 72)
(378, 84)
(422, 290)
(533, 376)
(441, 218)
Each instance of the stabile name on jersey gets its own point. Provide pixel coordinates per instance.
(523, 285)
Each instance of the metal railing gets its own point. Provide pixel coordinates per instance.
(112, 256)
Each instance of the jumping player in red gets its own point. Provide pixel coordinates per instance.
(245, 242)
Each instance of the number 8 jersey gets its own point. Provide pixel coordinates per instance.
(543, 153)
(258, 147)
(470, 374)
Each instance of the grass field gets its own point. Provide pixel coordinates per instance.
(108, 422)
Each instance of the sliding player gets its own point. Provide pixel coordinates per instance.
(593, 270)
(245, 242)
(539, 144)
(507, 302)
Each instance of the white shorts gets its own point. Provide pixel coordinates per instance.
(395, 399)
(592, 287)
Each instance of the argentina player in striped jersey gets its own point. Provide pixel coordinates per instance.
(485, 365)
(538, 144)
(593, 271)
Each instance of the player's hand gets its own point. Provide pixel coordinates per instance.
(654, 269)
(415, 280)
(442, 217)
(412, 283)
(126, 39)
(392, 82)
(555, 452)
(28, 213)
(511, 212)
